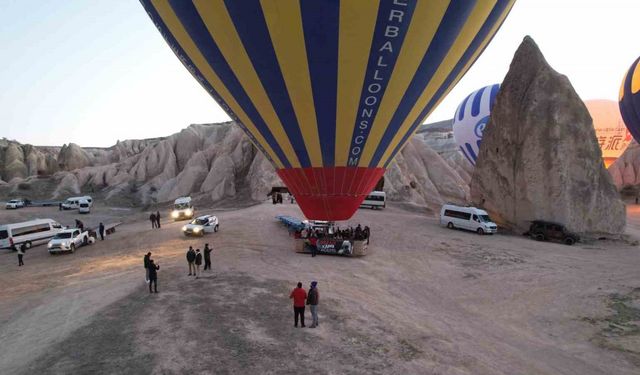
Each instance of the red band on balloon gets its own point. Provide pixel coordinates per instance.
(330, 194)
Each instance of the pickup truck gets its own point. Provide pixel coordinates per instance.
(69, 240)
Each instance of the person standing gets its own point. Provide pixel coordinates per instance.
(191, 257)
(299, 296)
(207, 257)
(158, 219)
(147, 258)
(198, 262)
(312, 301)
(20, 255)
(101, 231)
(152, 219)
(153, 276)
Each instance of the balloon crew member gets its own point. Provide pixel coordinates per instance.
(198, 262)
(21, 250)
(299, 296)
(191, 257)
(312, 301)
(101, 231)
(152, 219)
(207, 257)
(153, 276)
(158, 219)
(147, 258)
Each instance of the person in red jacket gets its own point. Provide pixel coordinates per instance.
(299, 297)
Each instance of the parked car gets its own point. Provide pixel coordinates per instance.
(201, 225)
(469, 218)
(15, 204)
(549, 231)
(69, 240)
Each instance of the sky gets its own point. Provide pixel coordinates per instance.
(94, 72)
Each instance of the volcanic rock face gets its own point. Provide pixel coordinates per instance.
(213, 161)
(626, 170)
(539, 157)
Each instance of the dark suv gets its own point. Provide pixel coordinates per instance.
(548, 231)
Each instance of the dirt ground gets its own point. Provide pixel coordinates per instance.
(426, 300)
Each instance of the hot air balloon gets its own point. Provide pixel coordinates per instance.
(471, 118)
(630, 99)
(329, 90)
(611, 133)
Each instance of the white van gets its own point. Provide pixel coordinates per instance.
(375, 200)
(182, 209)
(84, 207)
(29, 233)
(469, 218)
(73, 203)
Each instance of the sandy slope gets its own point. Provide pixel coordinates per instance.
(426, 300)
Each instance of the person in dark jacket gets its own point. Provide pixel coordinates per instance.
(152, 219)
(207, 257)
(191, 257)
(198, 262)
(299, 296)
(312, 301)
(80, 225)
(101, 231)
(147, 258)
(153, 276)
(158, 219)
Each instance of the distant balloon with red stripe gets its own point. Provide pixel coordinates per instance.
(329, 90)
(630, 100)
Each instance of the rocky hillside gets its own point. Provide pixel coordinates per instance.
(209, 161)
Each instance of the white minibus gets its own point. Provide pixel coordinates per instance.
(29, 233)
(73, 203)
(375, 200)
(469, 218)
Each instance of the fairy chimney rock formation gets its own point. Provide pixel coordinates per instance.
(540, 159)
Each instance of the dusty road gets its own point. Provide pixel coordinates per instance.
(426, 300)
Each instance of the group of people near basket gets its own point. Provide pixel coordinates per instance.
(335, 233)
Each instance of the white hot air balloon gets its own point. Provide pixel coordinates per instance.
(471, 118)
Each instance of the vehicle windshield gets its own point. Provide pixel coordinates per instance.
(61, 236)
(14, 201)
(181, 206)
(485, 218)
(83, 205)
(200, 222)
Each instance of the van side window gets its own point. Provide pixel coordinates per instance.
(31, 229)
(457, 214)
(3, 234)
(56, 225)
(475, 217)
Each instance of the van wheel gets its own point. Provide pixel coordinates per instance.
(72, 247)
(215, 229)
(539, 237)
(27, 245)
(480, 231)
(450, 225)
(569, 241)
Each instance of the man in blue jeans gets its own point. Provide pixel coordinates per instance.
(312, 300)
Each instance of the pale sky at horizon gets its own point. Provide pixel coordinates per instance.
(96, 71)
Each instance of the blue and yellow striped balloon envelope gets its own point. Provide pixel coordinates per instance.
(630, 100)
(328, 90)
